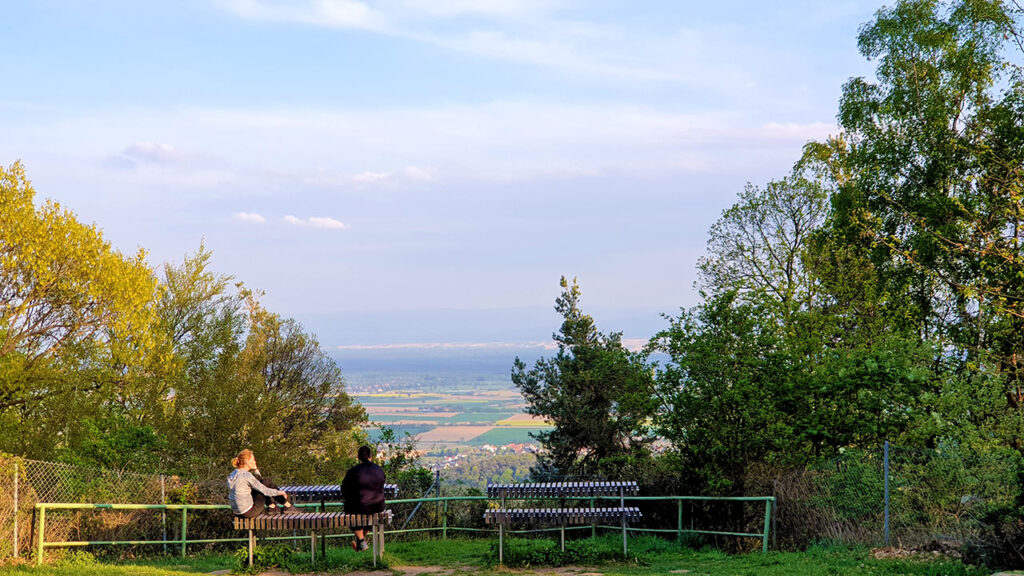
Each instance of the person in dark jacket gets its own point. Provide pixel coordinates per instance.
(363, 491)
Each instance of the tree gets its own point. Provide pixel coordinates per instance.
(74, 313)
(932, 167)
(725, 396)
(238, 376)
(928, 173)
(300, 394)
(597, 394)
(758, 244)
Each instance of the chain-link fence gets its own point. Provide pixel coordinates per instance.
(948, 496)
(23, 483)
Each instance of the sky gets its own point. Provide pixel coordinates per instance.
(420, 173)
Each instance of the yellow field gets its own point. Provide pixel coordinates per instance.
(453, 433)
(391, 411)
(523, 420)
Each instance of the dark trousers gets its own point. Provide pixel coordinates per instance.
(260, 503)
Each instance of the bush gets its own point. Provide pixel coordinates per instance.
(263, 557)
(76, 559)
(523, 552)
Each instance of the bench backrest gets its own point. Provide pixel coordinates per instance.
(328, 492)
(583, 488)
(560, 515)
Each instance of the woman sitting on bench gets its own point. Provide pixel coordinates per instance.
(251, 495)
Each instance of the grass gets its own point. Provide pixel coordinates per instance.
(477, 557)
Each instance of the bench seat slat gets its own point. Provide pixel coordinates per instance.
(311, 521)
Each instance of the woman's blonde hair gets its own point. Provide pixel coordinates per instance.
(243, 458)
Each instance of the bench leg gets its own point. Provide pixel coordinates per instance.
(312, 547)
(377, 552)
(501, 544)
(252, 544)
(563, 537)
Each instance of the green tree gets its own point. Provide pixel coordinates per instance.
(299, 395)
(928, 173)
(597, 393)
(757, 247)
(74, 313)
(726, 399)
(75, 320)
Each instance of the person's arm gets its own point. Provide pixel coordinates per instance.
(265, 490)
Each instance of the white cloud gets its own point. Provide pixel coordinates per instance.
(792, 130)
(534, 37)
(417, 173)
(371, 177)
(494, 8)
(315, 222)
(328, 13)
(324, 222)
(474, 142)
(249, 217)
(155, 152)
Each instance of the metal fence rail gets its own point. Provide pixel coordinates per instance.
(45, 540)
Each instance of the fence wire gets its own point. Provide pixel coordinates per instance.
(947, 495)
(24, 482)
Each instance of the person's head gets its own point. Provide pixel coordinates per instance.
(365, 454)
(245, 460)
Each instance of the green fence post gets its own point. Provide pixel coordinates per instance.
(184, 530)
(679, 534)
(41, 537)
(593, 525)
(767, 519)
(444, 522)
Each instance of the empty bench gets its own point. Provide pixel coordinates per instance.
(316, 523)
(562, 515)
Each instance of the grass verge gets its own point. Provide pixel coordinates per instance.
(648, 556)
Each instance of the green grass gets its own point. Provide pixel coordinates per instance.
(477, 557)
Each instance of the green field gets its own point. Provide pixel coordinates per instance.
(507, 435)
(386, 418)
(478, 417)
(400, 431)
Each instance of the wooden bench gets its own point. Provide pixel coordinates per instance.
(562, 515)
(315, 523)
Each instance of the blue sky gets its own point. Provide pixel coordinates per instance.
(421, 172)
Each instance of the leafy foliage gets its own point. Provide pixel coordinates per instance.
(595, 392)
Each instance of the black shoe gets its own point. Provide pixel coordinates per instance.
(289, 508)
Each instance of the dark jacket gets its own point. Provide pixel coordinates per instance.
(363, 489)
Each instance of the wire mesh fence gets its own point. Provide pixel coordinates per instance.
(24, 483)
(946, 495)
(934, 497)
